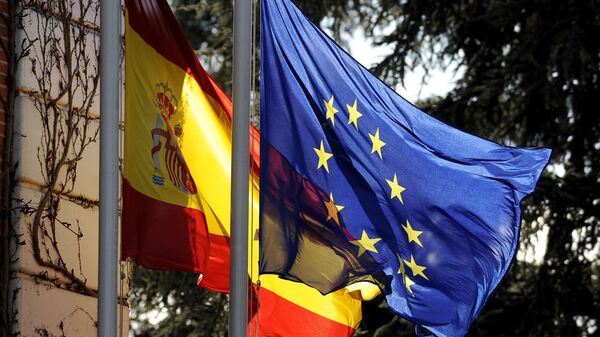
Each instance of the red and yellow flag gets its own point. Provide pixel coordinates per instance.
(177, 176)
(177, 156)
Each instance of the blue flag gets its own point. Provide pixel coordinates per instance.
(357, 184)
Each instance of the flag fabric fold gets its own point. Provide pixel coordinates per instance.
(176, 186)
(359, 185)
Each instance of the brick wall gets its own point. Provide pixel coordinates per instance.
(4, 267)
(3, 73)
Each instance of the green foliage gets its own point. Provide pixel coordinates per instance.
(530, 77)
(187, 311)
(208, 27)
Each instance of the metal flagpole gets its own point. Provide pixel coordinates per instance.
(110, 15)
(242, 37)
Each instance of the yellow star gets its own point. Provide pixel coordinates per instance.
(415, 268)
(333, 209)
(331, 111)
(377, 143)
(413, 235)
(354, 114)
(323, 157)
(365, 243)
(396, 189)
(408, 283)
(401, 269)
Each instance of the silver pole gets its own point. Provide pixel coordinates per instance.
(242, 36)
(110, 14)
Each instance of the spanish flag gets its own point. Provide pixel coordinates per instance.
(177, 176)
(177, 153)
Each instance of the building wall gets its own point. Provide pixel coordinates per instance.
(56, 293)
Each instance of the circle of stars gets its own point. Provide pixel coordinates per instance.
(366, 243)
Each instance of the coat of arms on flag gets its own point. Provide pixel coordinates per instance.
(165, 137)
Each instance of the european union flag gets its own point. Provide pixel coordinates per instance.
(358, 184)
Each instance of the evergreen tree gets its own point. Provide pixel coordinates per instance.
(181, 308)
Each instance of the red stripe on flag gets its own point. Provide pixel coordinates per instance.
(278, 317)
(160, 235)
(216, 275)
